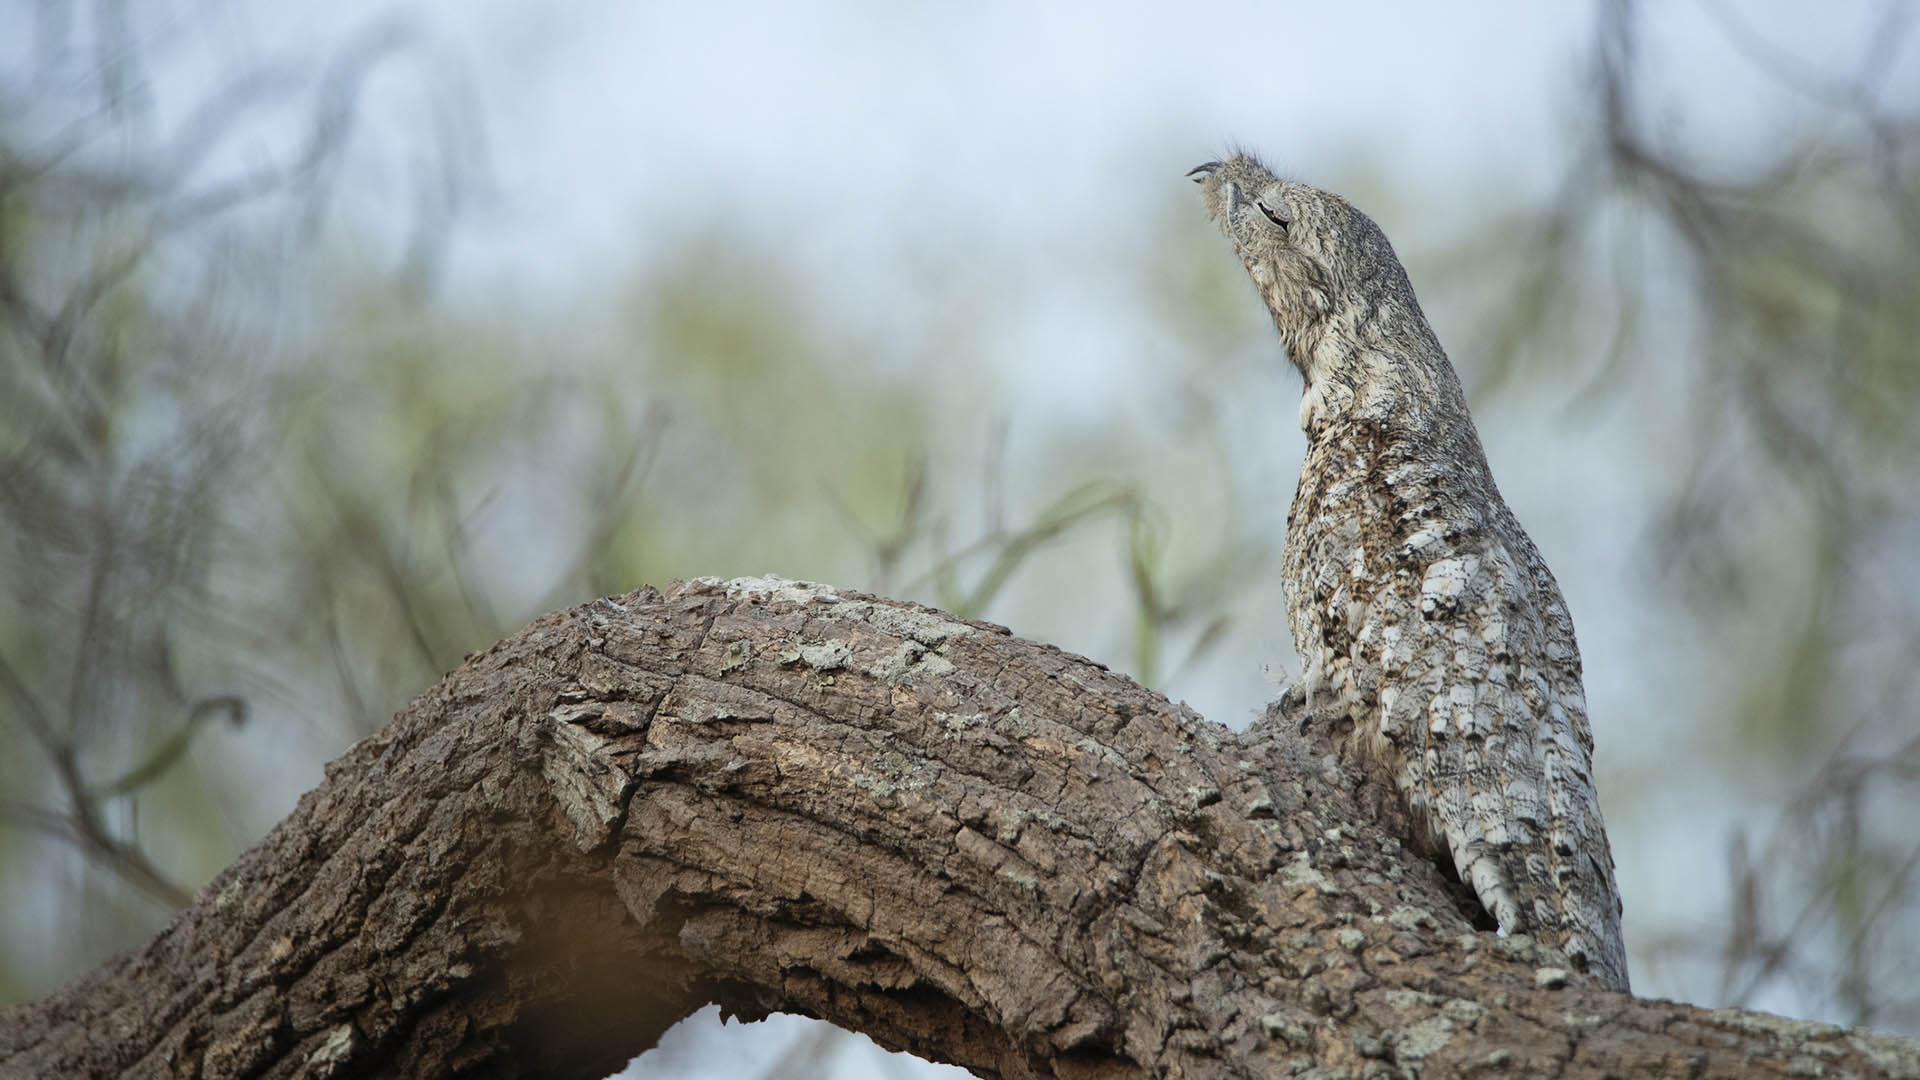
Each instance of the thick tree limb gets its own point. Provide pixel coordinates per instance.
(779, 797)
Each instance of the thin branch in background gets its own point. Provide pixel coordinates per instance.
(614, 500)
(125, 464)
(993, 476)
(169, 751)
(1857, 94)
(361, 537)
(886, 549)
(1008, 549)
(346, 672)
(456, 547)
(1796, 394)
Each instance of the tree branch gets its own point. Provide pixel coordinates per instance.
(779, 797)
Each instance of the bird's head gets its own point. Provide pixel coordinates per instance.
(1316, 260)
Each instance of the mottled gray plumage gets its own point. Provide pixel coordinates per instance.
(1434, 635)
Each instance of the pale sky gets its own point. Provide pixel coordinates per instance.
(606, 121)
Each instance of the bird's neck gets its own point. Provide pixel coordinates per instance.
(1376, 361)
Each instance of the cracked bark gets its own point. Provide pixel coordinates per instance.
(779, 797)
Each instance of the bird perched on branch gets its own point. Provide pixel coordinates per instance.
(1435, 639)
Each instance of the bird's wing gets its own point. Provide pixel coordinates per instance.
(1480, 694)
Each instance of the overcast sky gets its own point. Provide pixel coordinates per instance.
(606, 120)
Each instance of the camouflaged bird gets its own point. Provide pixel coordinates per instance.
(1435, 639)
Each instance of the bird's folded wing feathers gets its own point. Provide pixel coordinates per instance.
(1490, 724)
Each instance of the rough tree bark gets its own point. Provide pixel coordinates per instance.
(781, 797)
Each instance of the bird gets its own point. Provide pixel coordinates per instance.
(1435, 642)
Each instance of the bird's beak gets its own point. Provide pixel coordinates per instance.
(1200, 173)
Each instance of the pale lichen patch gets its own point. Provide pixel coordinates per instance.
(1423, 1039)
(908, 662)
(1101, 752)
(895, 772)
(1408, 918)
(1286, 1029)
(894, 667)
(826, 656)
(739, 655)
(334, 1051)
(1895, 1057)
(925, 627)
(955, 723)
(1780, 1027)
(1525, 949)
(1300, 873)
(770, 587)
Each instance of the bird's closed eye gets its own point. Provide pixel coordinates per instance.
(1271, 216)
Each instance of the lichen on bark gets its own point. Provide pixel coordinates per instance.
(785, 797)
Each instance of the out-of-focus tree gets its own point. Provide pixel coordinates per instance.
(148, 252)
(1760, 318)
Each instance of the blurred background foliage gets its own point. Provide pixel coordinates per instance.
(263, 476)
